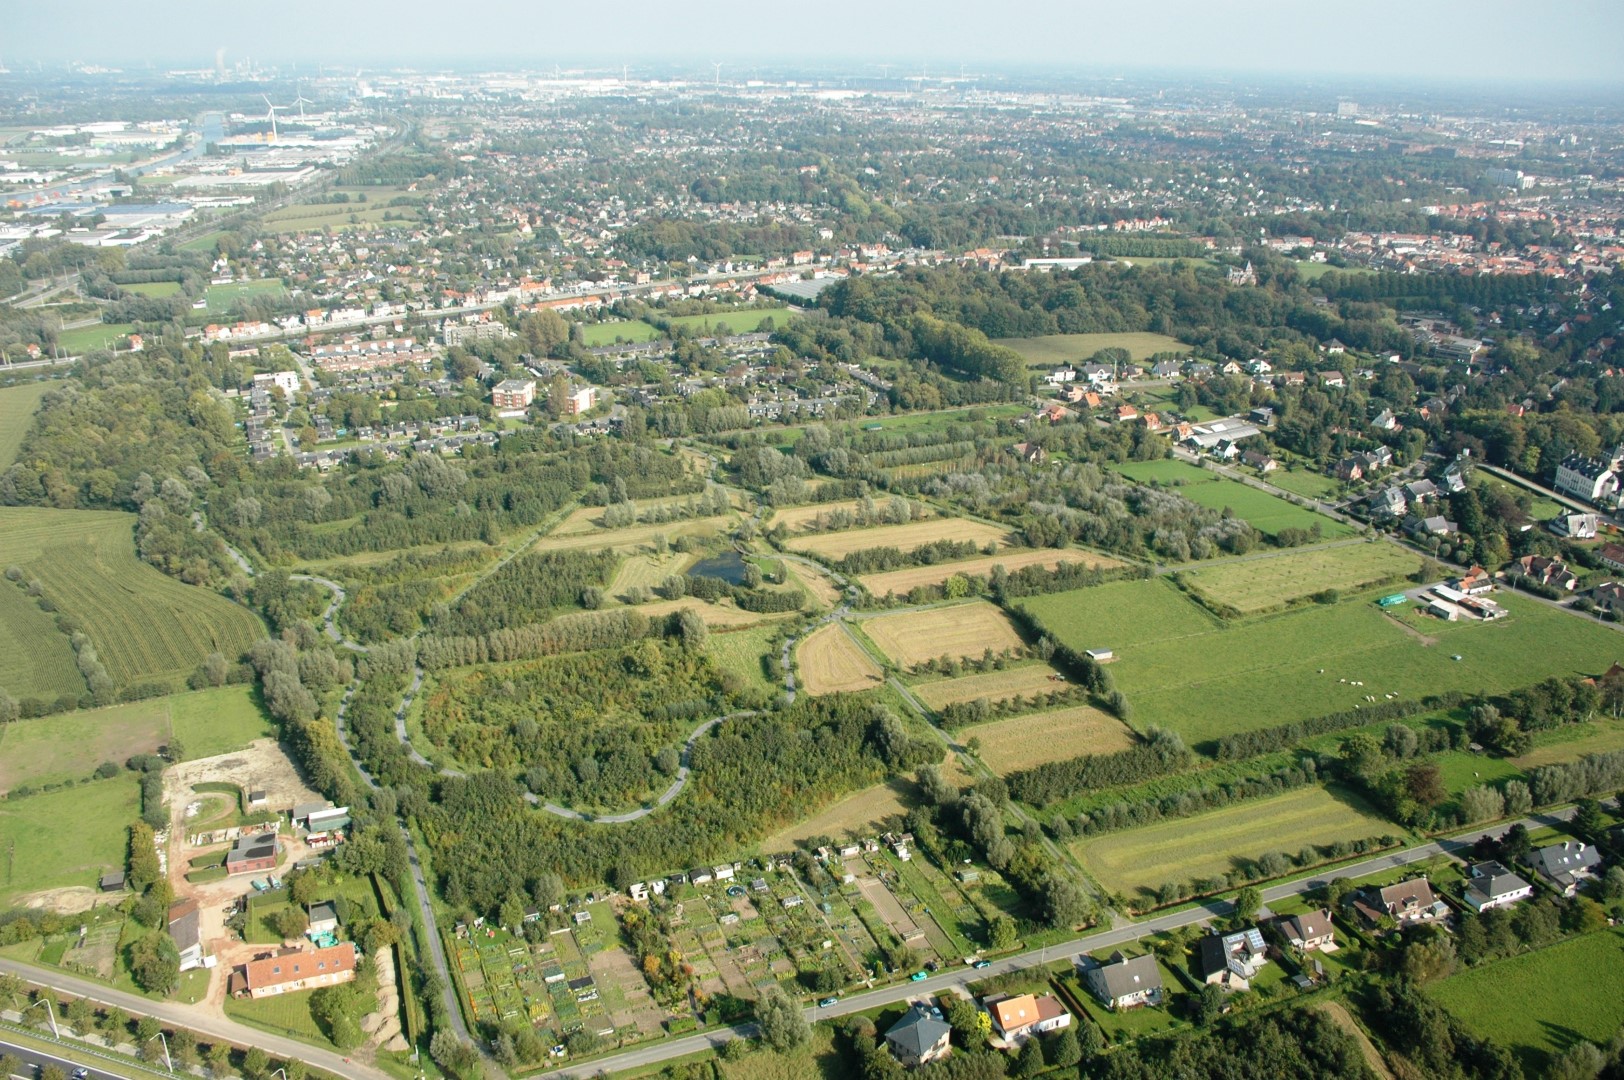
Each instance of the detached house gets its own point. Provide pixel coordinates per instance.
(296, 970)
(1575, 526)
(1491, 885)
(1309, 932)
(1232, 960)
(1567, 865)
(1348, 469)
(1608, 596)
(1123, 983)
(1407, 902)
(1016, 1018)
(920, 1037)
(1547, 571)
(1585, 478)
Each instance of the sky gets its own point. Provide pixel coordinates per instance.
(1425, 40)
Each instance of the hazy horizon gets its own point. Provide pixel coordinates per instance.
(1409, 42)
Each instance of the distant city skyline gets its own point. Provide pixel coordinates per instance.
(1472, 41)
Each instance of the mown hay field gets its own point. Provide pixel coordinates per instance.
(588, 520)
(915, 534)
(1053, 350)
(859, 815)
(1015, 682)
(1261, 584)
(1021, 742)
(1211, 845)
(901, 582)
(721, 616)
(830, 662)
(634, 537)
(17, 405)
(144, 624)
(36, 660)
(959, 630)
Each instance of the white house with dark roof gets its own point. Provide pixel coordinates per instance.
(1567, 865)
(1123, 982)
(1310, 931)
(920, 1037)
(1491, 885)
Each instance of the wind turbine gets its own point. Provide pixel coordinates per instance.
(270, 114)
(718, 68)
(300, 100)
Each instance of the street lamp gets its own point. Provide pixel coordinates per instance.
(167, 1059)
(49, 1011)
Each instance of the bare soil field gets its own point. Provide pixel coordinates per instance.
(915, 534)
(263, 764)
(857, 815)
(903, 581)
(994, 686)
(961, 630)
(1023, 741)
(831, 662)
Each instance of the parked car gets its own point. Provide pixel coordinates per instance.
(826, 1002)
(918, 976)
(982, 964)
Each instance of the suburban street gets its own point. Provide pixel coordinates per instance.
(1106, 939)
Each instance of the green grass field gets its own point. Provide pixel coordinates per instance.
(1268, 513)
(1543, 1002)
(69, 746)
(1256, 585)
(1056, 349)
(206, 242)
(153, 288)
(283, 1014)
(605, 333)
(1167, 471)
(1310, 485)
(17, 405)
(64, 838)
(145, 625)
(1211, 845)
(222, 297)
(84, 338)
(1313, 271)
(1181, 670)
(747, 321)
(741, 652)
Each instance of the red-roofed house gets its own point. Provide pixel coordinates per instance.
(306, 969)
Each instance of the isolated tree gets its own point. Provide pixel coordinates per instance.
(155, 964)
(782, 1026)
(1247, 903)
(1425, 784)
(1208, 1005)
(290, 922)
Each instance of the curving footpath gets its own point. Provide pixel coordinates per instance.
(329, 617)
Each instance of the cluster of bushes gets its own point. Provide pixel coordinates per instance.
(528, 589)
(960, 714)
(105, 771)
(647, 933)
(1250, 744)
(875, 559)
(570, 633)
(748, 596)
(1199, 800)
(954, 666)
(1161, 753)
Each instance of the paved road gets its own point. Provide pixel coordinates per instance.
(187, 1016)
(1091, 943)
(670, 793)
(34, 1060)
(329, 617)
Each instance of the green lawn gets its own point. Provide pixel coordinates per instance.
(101, 336)
(1541, 1003)
(1212, 844)
(1267, 513)
(1181, 670)
(153, 288)
(1164, 471)
(742, 651)
(1268, 583)
(1313, 271)
(605, 333)
(17, 405)
(65, 838)
(746, 321)
(283, 1014)
(218, 721)
(1055, 349)
(222, 297)
(1310, 485)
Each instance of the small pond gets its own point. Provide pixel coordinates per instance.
(728, 566)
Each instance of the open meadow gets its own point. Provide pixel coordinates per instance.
(1254, 585)
(155, 289)
(36, 660)
(1056, 349)
(82, 339)
(1022, 681)
(745, 321)
(634, 537)
(958, 630)
(743, 652)
(220, 298)
(69, 746)
(17, 405)
(915, 534)
(830, 662)
(798, 518)
(1267, 513)
(901, 582)
(65, 839)
(717, 616)
(1021, 742)
(607, 333)
(1542, 1002)
(145, 625)
(1211, 845)
(1311, 661)
(647, 570)
(861, 814)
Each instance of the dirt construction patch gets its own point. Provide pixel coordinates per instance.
(957, 631)
(69, 901)
(831, 662)
(262, 765)
(875, 892)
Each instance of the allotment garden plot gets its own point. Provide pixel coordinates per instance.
(955, 631)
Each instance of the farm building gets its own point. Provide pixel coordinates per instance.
(299, 969)
(112, 881)
(920, 1037)
(252, 854)
(185, 931)
(1124, 982)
